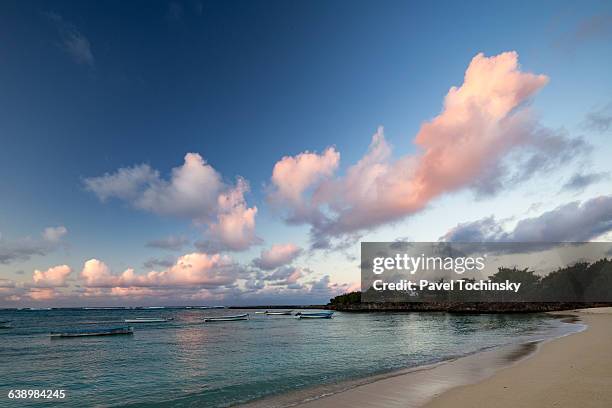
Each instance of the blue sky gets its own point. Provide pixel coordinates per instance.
(93, 87)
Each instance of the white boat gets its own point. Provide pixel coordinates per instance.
(264, 312)
(147, 320)
(279, 313)
(314, 315)
(104, 308)
(226, 318)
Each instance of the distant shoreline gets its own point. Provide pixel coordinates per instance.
(466, 307)
(165, 307)
(287, 307)
(449, 307)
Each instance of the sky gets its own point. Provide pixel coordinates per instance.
(238, 152)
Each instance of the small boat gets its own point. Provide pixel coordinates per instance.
(5, 324)
(279, 313)
(148, 320)
(264, 312)
(104, 308)
(314, 315)
(110, 331)
(227, 318)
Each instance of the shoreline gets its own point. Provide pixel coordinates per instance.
(419, 391)
(417, 385)
(567, 371)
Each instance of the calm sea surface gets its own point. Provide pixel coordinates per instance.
(186, 363)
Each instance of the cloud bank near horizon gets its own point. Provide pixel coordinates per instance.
(192, 277)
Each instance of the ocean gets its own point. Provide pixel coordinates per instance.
(188, 363)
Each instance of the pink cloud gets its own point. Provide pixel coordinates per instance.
(41, 294)
(7, 283)
(194, 190)
(132, 292)
(293, 278)
(96, 273)
(285, 276)
(475, 128)
(52, 277)
(277, 255)
(293, 175)
(9, 291)
(482, 122)
(235, 225)
(13, 298)
(195, 269)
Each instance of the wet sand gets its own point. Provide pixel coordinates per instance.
(571, 371)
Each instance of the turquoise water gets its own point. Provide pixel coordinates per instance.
(185, 363)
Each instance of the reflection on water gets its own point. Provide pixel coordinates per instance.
(187, 363)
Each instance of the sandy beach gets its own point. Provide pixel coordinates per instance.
(571, 371)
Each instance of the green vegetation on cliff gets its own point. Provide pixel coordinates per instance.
(583, 282)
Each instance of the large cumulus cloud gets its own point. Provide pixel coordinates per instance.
(485, 139)
(194, 190)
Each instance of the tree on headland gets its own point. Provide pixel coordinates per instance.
(346, 299)
(580, 282)
(526, 277)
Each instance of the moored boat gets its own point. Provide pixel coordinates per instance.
(108, 331)
(5, 324)
(148, 320)
(226, 318)
(314, 315)
(279, 313)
